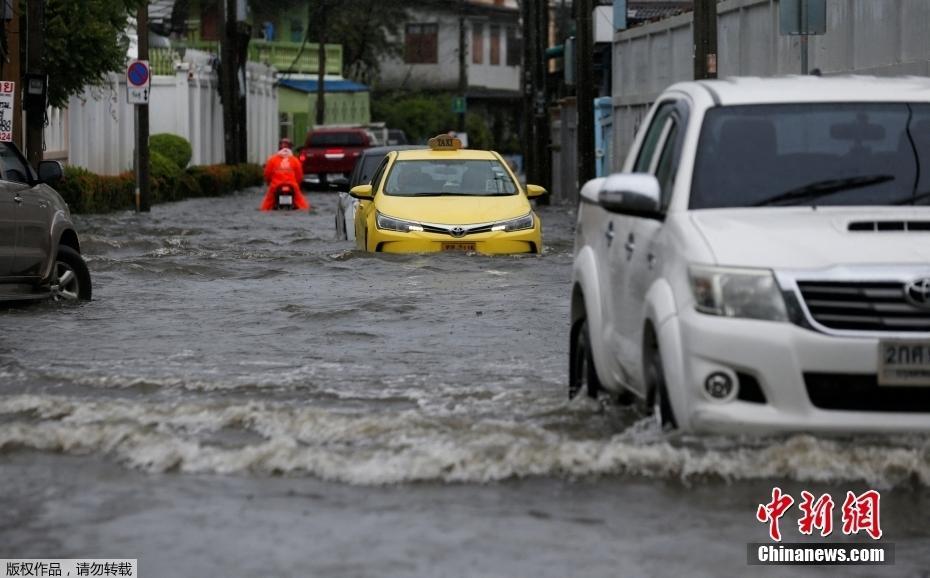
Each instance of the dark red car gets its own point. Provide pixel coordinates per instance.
(330, 154)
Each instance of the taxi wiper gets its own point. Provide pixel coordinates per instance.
(913, 200)
(825, 188)
(446, 194)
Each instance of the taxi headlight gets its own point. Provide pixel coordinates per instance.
(731, 292)
(386, 223)
(518, 224)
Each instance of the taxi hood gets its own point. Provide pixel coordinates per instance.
(802, 237)
(454, 210)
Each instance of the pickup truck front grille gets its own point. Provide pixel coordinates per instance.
(863, 306)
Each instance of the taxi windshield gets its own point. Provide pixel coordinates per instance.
(428, 178)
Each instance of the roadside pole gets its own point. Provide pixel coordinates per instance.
(36, 84)
(143, 185)
(228, 80)
(705, 39)
(321, 68)
(529, 89)
(463, 70)
(543, 153)
(584, 90)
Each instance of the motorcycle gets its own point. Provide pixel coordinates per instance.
(284, 198)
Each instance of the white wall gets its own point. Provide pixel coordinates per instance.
(99, 126)
(878, 37)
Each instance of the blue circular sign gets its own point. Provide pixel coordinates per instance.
(138, 73)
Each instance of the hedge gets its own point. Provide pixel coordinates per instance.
(86, 192)
(173, 147)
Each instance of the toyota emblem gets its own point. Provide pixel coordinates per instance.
(460, 232)
(918, 293)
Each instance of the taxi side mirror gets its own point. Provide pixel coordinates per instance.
(534, 191)
(361, 192)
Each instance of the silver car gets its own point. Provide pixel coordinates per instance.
(364, 169)
(40, 255)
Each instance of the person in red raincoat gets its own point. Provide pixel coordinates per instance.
(283, 168)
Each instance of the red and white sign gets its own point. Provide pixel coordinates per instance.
(138, 82)
(7, 92)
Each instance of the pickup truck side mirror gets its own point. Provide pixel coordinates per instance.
(635, 194)
(361, 192)
(50, 172)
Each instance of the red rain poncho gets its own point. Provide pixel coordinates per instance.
(283, 168)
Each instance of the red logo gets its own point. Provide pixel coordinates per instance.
(860, 513)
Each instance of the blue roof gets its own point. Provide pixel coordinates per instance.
(328, 85)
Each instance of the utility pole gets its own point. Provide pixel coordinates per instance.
(242, 58)
(321, 61)
(229, 89)
(463, 64)
(584, 90)
(529, 89)
(541, 110)
(705, 39)
(144, 202)
(35, 111)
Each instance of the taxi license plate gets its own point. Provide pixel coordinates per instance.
(285, 200)
(458, 246)
(904, 362)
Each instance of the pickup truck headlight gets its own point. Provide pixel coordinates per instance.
(386, 223)
(732, 292)
(518, 224)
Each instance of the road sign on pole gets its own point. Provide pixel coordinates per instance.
(138, 82)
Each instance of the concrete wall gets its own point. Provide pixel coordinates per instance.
(877, 37)
(98, 132)
(444, 75)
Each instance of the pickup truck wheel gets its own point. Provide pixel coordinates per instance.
(72, 278)
(661, 408)
(582, 374)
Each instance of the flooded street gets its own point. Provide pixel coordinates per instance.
(247, 396)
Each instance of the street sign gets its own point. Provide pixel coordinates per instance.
(803, 17)
(459, 105)
(138, 82)
(7, 92)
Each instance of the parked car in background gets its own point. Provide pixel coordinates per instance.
(763, 263)
(364, 169)
(40, 254)
(397, 137)
(330, 154)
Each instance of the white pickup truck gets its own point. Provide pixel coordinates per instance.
(762, 263)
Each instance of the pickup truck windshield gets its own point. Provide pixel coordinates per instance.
(813, 154)
(473, 178)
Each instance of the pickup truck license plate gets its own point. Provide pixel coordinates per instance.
(904, 362)
(458, 246)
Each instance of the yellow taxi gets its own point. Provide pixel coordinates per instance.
(446, 198)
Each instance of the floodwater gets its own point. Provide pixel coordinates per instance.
(246, 396)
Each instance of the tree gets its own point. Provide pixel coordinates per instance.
(84, 40)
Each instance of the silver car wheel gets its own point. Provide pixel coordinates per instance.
(68, 286)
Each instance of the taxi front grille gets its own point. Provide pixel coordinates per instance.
(863, 306)
(457, 231)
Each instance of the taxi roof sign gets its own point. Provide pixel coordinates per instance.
(445, 142)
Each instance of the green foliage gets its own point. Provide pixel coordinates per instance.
(479, 135)
(86, 192)
(419, 115)
(83, 42)
(172, 146)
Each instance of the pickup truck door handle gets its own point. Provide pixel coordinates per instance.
(610, 233)
(630, 246)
